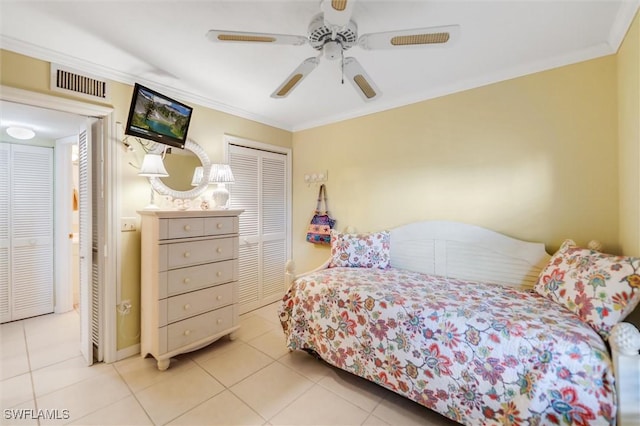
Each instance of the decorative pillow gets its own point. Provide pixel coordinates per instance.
(360, 250)
(602, 289)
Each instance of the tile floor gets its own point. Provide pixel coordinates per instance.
(253, 380)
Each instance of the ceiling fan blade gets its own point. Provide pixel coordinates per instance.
(418, 37)
(295, 77)
(360, 79)
(337, 12)
(222, 36)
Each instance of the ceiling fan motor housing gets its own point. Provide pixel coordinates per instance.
(320, 34)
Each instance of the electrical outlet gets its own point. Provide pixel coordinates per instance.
(124, 308)
(128, 224)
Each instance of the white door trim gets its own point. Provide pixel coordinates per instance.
(63, 181)
(111, 189)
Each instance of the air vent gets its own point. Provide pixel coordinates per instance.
(69, 81)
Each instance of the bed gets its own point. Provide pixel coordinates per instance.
(475, 325)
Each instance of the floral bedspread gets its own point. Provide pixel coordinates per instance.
(474, 352)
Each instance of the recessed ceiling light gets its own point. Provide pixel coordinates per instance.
(20, 133)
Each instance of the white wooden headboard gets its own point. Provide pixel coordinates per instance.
(459, 250)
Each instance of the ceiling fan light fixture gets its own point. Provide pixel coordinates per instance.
(331, 32)
(332, 50)
(417, 39)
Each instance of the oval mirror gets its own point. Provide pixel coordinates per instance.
(180, 165)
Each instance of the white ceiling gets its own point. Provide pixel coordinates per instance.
(162, 44)
(49, 125)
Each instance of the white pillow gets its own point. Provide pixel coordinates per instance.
(360, 250)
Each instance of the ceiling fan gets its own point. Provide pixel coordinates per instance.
(332, 32)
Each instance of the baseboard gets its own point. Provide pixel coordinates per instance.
(128, 352)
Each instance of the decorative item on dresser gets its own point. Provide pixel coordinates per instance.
(189, 295)
(152, 166)
(221, 174)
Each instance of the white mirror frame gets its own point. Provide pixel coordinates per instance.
(162, 189)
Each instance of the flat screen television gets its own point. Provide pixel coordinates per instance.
(156, 117)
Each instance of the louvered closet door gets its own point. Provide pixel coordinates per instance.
(261, 190)
(85, 247)
(5, 313)
(30, 231)
(91, 242)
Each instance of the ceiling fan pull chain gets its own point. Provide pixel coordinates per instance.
(342, 65)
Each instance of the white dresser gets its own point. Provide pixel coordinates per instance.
(189, 294)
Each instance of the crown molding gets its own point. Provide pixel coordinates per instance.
(570, 58)
(48, 55)
(622, 23)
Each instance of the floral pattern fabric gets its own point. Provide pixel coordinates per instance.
(360, 250)
(602, 289)
(476, 353)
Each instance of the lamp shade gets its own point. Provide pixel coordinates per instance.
(221, 173)
(152, 166)
(197, 176)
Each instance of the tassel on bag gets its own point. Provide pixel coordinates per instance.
(319, 230)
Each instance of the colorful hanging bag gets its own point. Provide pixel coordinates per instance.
(319, 230)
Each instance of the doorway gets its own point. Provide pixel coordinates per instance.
(106, 160)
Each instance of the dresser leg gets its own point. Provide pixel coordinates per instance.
(163, 364)
(233, 336)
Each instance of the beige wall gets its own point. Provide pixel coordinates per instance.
(207, 128)
(534, 158)
(629, 139)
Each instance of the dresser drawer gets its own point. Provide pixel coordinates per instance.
(181, 228)
(193, 329)
(198, 252)
(197, 302)
(183, 280)
(220, 225)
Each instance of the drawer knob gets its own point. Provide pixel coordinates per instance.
(218, 274)
(220, 321)
(187, 332)
(219, 297)
(187, 254)
(186, 280)
(219, 225)
(219, 249)
(187, 307)
(187, 227)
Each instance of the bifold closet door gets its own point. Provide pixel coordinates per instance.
(260, 188)
(5, 309)
(28, 214)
